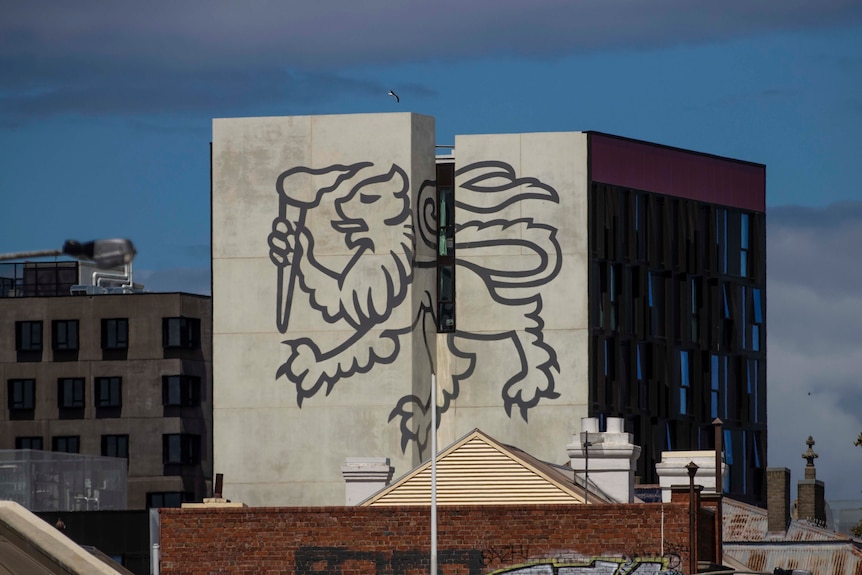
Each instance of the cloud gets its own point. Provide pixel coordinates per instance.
(814, 342)
(187, 280)
(94, 57)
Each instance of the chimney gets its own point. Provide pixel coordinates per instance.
(811, 505)
(365, 476)
(606, 459)
(777, 498)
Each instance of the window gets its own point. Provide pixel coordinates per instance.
(64, 334)
(181, 448)
(445, 248)
(115, 446)
(66, 444)
(28, 335)
(28, 443)
(22, 394)
(165, 499)
(70, 392)
(115, 333)
(743, 245)
(181, 390)
(181, 332)
(684, 383)
(109, 391)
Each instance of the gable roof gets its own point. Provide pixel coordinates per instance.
(479, 470)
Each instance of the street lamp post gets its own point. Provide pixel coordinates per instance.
(692, 510)
(105, 254)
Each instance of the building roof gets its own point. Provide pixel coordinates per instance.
(803, 546)
(30, 545)
(479, 470)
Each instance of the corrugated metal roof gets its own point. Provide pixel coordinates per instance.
(823, 558)
(803, 546)
(743, 522)
(478, 470)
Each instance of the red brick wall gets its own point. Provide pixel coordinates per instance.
(395, 540)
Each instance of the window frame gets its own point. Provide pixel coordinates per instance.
(25, 405)
(78, 389)
(120, 441)
(187, 451)
(70, 340)
(186, 334)
(189, 389)
(114, 398)
(115, 333)
(151, 495)
(35, 338)
(21, 440)
(57, 439)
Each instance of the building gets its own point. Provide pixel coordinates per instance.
(543, 278)
(497, 510)
(109, 373)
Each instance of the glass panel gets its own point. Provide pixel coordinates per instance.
(758, 309)
(447, 283)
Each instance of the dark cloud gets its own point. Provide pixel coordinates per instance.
(85, 57)
(814, 341)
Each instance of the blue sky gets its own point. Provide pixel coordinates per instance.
(105, 113)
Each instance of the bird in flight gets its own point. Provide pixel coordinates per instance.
(394, 95)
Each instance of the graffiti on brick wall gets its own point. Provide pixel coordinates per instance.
(500, 560)
(363, 213)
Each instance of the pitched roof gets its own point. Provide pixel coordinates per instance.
(748, 542)
(479, 470)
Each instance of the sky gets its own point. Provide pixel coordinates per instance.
(106, 109)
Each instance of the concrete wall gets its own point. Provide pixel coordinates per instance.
(324, 295)
(519, 361)
(320, 308)
(142, 416)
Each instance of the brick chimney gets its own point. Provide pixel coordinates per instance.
(777, 498)
(811, 503)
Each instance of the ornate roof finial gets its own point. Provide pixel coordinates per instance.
(810, 455)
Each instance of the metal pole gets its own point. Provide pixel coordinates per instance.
(586, 467)
(433, 474)
(692, 541)
(35, 254)
(719, 488)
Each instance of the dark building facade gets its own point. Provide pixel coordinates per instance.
(121, 375)
(677, 301)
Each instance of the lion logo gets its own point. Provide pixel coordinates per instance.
(368, 210)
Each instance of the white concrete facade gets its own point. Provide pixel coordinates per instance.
(672, 470)
(324, 294)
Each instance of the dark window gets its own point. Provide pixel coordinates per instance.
(115, 333)
(181, 390)
(445, 247)
(29, 443)
(684, 383)
(28, 335)
(22, 394)
(64, 333)
(181, 332)
(165, 499)
(66, 444)
(109, 391)
(70, 392)
(115, 446)
(181, 448)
